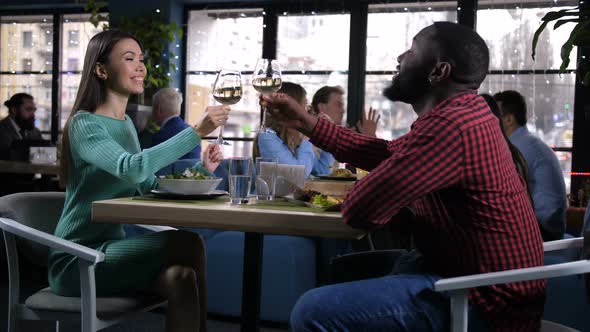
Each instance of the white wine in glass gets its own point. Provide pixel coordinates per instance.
(227, 90)
(266, 80)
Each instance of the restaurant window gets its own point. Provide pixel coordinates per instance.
(402, 21)
(224, 39)
(548, 94)
(77, 30)
(312, 49)
(22, 63)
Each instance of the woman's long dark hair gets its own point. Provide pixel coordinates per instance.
(517, 157)
(92, 90)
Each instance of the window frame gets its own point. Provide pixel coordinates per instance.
(56, 15)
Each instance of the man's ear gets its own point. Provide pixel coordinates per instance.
(440, 72)
(100, 71)
(321, 108)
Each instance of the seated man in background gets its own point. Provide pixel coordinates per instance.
(545, 179)
(166, 114)
(17, 134)
(19, 125)
(328, 103)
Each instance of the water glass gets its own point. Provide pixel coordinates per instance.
(266, 178)
(240, 175)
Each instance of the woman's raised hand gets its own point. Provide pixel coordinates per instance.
(289, 112)
(213, 117)
(368, 126)
(212, 156)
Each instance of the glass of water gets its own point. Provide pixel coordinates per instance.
(240, 175)
(266, 178)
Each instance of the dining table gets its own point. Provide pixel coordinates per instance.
(256, 219)
(25, 167)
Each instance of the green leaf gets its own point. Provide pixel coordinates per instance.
(562, 22)
(567, 47)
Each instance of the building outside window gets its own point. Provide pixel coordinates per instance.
(313, 48)
(77, 30)
(27, 39)
(73, 38)
(224, 39)
(27, 64)
(22, 64)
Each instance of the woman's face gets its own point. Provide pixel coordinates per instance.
(126, 70)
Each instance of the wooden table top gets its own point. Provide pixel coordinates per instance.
(276, 217)
(24, 167)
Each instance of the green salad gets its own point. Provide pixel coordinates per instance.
(325, 201)
(188, 174)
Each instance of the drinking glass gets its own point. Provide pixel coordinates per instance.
(266, 178)
(227, 90)
(266, 80)
(240, 175)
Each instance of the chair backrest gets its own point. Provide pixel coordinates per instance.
(39, 210)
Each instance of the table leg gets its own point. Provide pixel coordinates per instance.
(251, 282)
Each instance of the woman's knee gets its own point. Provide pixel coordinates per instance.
(177, 276)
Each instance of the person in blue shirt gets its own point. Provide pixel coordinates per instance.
(545, 178)
(166, 104)
(288, 145)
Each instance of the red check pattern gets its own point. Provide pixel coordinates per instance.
(454, 167)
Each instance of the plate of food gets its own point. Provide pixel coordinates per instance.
(315, 200)
(169, 195)
(340, 174)
(189, 182)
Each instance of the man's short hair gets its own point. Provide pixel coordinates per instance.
(168, 99)
(322, 96)
(17, 100)
(513, 103)
(465, 50)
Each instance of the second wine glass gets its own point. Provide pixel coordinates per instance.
(227, 90)
(266, 80)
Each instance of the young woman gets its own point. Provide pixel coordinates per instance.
(101, 159)
(288, 145)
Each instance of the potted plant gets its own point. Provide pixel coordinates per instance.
(155, 35)
(580, 36)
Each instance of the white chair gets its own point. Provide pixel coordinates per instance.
(33, 217)
(458, 287)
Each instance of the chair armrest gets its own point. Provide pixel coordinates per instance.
(157, 228)
(502, 277)
(576, 242)
(29, 233)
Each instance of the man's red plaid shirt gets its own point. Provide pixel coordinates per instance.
(474, 216)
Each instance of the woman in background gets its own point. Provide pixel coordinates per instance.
(101, 159)
(288, 145)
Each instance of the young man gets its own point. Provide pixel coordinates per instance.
(454, 168)
(545, 179)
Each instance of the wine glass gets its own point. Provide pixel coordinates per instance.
(266, 80)
(227, 90)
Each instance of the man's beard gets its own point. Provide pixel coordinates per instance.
(408, 87)
(27, 124)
